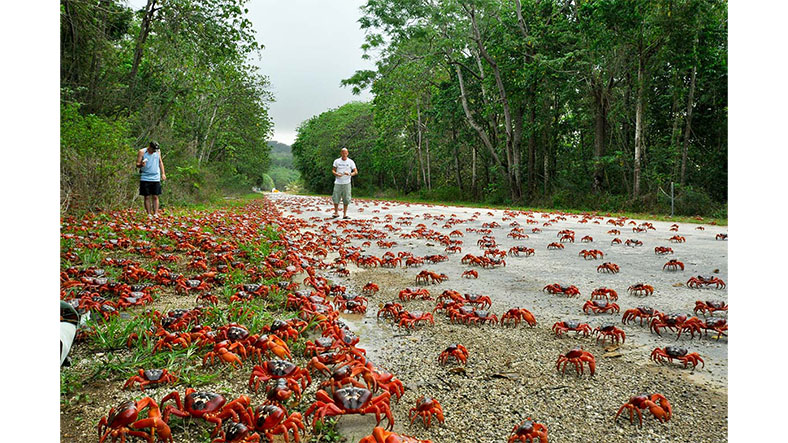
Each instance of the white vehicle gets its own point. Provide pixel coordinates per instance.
(69, 321)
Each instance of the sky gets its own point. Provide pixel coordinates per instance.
(310, 46)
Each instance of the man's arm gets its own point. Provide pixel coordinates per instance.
(354, 172)
(334, 171)
(139, 158)
(161, 168)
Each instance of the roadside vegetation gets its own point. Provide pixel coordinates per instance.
(130, 76)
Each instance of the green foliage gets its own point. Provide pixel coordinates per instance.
(69, 384)
(691, 201)
(283, 177)
(267, 182)
(95, 160)
(325, 431)
(184, 80)
(320, 139)
(551, 90)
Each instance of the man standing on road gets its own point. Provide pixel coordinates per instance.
(151, 175)
(343, 169)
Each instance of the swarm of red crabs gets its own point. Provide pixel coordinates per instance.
(208, 260)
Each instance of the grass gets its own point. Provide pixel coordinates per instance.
(105, 355)
(720, 221)
(111, 334)
(326, 431)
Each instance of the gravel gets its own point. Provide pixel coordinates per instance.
(511, 373)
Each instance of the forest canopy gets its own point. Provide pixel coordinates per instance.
(595, 104)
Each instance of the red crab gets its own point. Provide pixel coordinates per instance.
(410, 319)
(286, 330)
(554, 246)
(459, 352)
(342, 376)
(351, 400)
(478, 300)
(470, 274)
(528, 431)
(701, 281)
(380, 435)
(516, 315)
(276, 369)
(598, 306)
(280, 390)
(615, 334)
(677, 239)
(263, 345)
(515, 251)
(592, 254)
(608, 267)
(710, 307)
(641, 312)
(351, 303)
(426, 407)
(673, 322)
(370, 288)
(238, 433)
(273, 420)
(606, 293)
(577, 357)
(569, 325)
(662, 250)
(430, 277)
(657, 404)
(411, 293)
(555, 288)
(673, 265)
(390, 309)
(633, 242)
(641, 289)
(680, 354)
(209, 406)
(183, 285)
(721, 236)
(223, 351)
(117, 422)
(150, 377)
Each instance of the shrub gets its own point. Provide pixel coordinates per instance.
(690, 201)
(96, 161)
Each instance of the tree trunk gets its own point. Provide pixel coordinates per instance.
(531, 149)
(511, 166)
(473, 172)
(456, 157)
(472, 122)
(150, 10)
(429, 174)
(674, 133)
(688, 127)
(638, 130)
(600, 135)
(418, 145)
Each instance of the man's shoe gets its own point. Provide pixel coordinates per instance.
(346, 218)
(335, 216)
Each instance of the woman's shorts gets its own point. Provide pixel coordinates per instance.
(150, 188)
(341, 192)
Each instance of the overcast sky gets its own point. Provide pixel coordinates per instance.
(310, 46)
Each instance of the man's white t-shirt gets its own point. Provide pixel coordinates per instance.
(342, 167)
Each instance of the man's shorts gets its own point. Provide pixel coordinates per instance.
(150, 188)
(341, 192)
